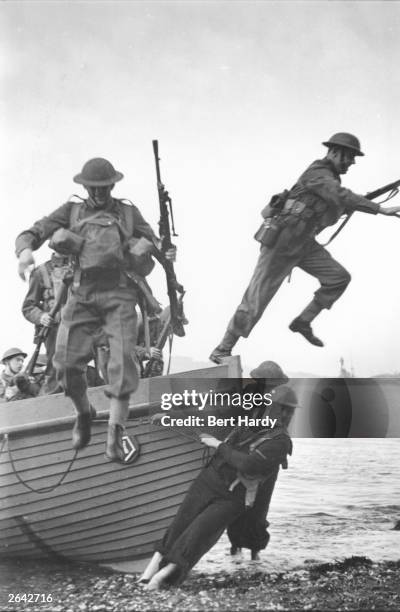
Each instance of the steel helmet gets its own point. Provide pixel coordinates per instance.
(98, 172)
(285, 396)
(271, 370)
(12, 352)
(344, 139)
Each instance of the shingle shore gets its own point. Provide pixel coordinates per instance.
(352, 584)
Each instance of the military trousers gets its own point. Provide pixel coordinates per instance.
(91, 306)
(273, 265)
(51, 384)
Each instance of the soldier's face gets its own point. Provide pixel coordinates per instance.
(100, 195)
(15, 364)
(343, 159)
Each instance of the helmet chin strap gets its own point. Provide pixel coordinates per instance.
(340, 155)
(342, 161)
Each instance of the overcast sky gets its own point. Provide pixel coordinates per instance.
(240, 96)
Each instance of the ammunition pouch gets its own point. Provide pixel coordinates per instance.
(268, 232)
(294, 207)
(270, 229)
(139, 253)
(275, 205)
(66, 242)
(291, 221)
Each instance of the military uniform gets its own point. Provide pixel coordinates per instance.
(9, 389)
(315, 202)
(101, 234)
(106, 299)
(44, 283)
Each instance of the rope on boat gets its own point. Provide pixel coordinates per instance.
(206, 457)
(23, 482)
(170, 342)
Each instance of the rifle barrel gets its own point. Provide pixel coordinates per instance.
(381, 190)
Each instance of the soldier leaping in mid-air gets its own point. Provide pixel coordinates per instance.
(291, 222)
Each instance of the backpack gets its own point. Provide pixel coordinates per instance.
(104, 237)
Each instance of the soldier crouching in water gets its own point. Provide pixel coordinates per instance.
(98, 231)
(220, 495)
(316, 201)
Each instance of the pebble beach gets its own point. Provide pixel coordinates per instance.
(355, 583)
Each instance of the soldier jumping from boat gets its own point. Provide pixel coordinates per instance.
(101, 233)
(292, 220)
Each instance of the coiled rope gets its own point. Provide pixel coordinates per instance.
(6, 443)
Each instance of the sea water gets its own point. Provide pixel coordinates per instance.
(339, 498)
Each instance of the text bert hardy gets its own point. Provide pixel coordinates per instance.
(214, 399)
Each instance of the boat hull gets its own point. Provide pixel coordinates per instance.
(81, 507)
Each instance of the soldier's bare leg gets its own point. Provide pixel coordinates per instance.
(159, 578)
(152, 568)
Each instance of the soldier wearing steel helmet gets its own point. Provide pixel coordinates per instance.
(13, 361)
(315, 202)
(97, 232)
(44, 283)
(250, 529)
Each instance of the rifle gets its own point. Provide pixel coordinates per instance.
(59, 300)
(173, 287)
(392, 188)
(150, 368)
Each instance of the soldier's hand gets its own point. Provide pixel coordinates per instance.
(46, 320)
(390, 210)
(156, 418)
(209, 440)
(171, 254)
(25, 261)
(23, 382)
(10, 391)
(156, 353)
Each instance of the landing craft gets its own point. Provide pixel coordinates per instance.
(79, 506)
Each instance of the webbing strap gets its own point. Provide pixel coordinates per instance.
(44, 273)
(339, 229)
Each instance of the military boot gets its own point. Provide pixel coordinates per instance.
(224, 349)
(120, 447)
(81, 430)
(114, 446)
(304, 328)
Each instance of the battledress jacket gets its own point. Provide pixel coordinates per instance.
(40, 296)
(319, 187)
(42, 230)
